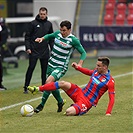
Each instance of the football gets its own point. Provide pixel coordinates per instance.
(27, 110)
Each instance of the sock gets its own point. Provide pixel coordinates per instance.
(57, 96)
(49, 87)
(45, 97)
(53, 86)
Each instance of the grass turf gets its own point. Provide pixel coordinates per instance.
(50, 121)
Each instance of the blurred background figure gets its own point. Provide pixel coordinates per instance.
(38, 28)
(3, 40)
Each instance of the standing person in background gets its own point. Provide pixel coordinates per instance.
(3, 40)
(37, 28)
(64, 44)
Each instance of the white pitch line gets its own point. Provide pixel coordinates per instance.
(28, 101)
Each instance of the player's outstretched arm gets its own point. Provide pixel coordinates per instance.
(110, 104)
(39, 39)
(75, 65)
(85, 71)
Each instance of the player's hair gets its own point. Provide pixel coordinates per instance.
(43, 9)
(104, 60)
(66, 23)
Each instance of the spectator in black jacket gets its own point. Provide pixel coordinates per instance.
(38, 28)
(3, 40)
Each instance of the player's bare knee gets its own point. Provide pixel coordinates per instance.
(64, 85)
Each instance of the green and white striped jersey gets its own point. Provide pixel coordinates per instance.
(63, 48)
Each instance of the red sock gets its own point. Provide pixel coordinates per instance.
(49, 87)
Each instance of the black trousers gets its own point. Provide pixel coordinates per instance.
(1, 71)
(31, 67)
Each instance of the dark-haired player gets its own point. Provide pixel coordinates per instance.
(100, 82)
(64, 44)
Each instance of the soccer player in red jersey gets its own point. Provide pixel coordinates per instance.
(100, 81)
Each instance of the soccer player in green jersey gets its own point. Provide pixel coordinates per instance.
(64, 44)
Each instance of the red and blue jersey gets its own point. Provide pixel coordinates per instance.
(97, 86)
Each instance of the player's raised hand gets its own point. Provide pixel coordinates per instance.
(74, 65)
(39, 40)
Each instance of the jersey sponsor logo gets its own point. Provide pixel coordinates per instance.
(57, 41)
(103, 80)
(96, 80)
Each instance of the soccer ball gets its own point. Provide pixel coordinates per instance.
(27, 110)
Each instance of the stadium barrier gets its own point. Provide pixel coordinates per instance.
(108, 39)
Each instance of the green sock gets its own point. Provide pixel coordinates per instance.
(45, 97)
(57, 96)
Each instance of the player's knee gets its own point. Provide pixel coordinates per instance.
(50, 79)
(62, 82)
(64, 85)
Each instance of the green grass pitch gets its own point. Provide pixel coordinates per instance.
(49, 121)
